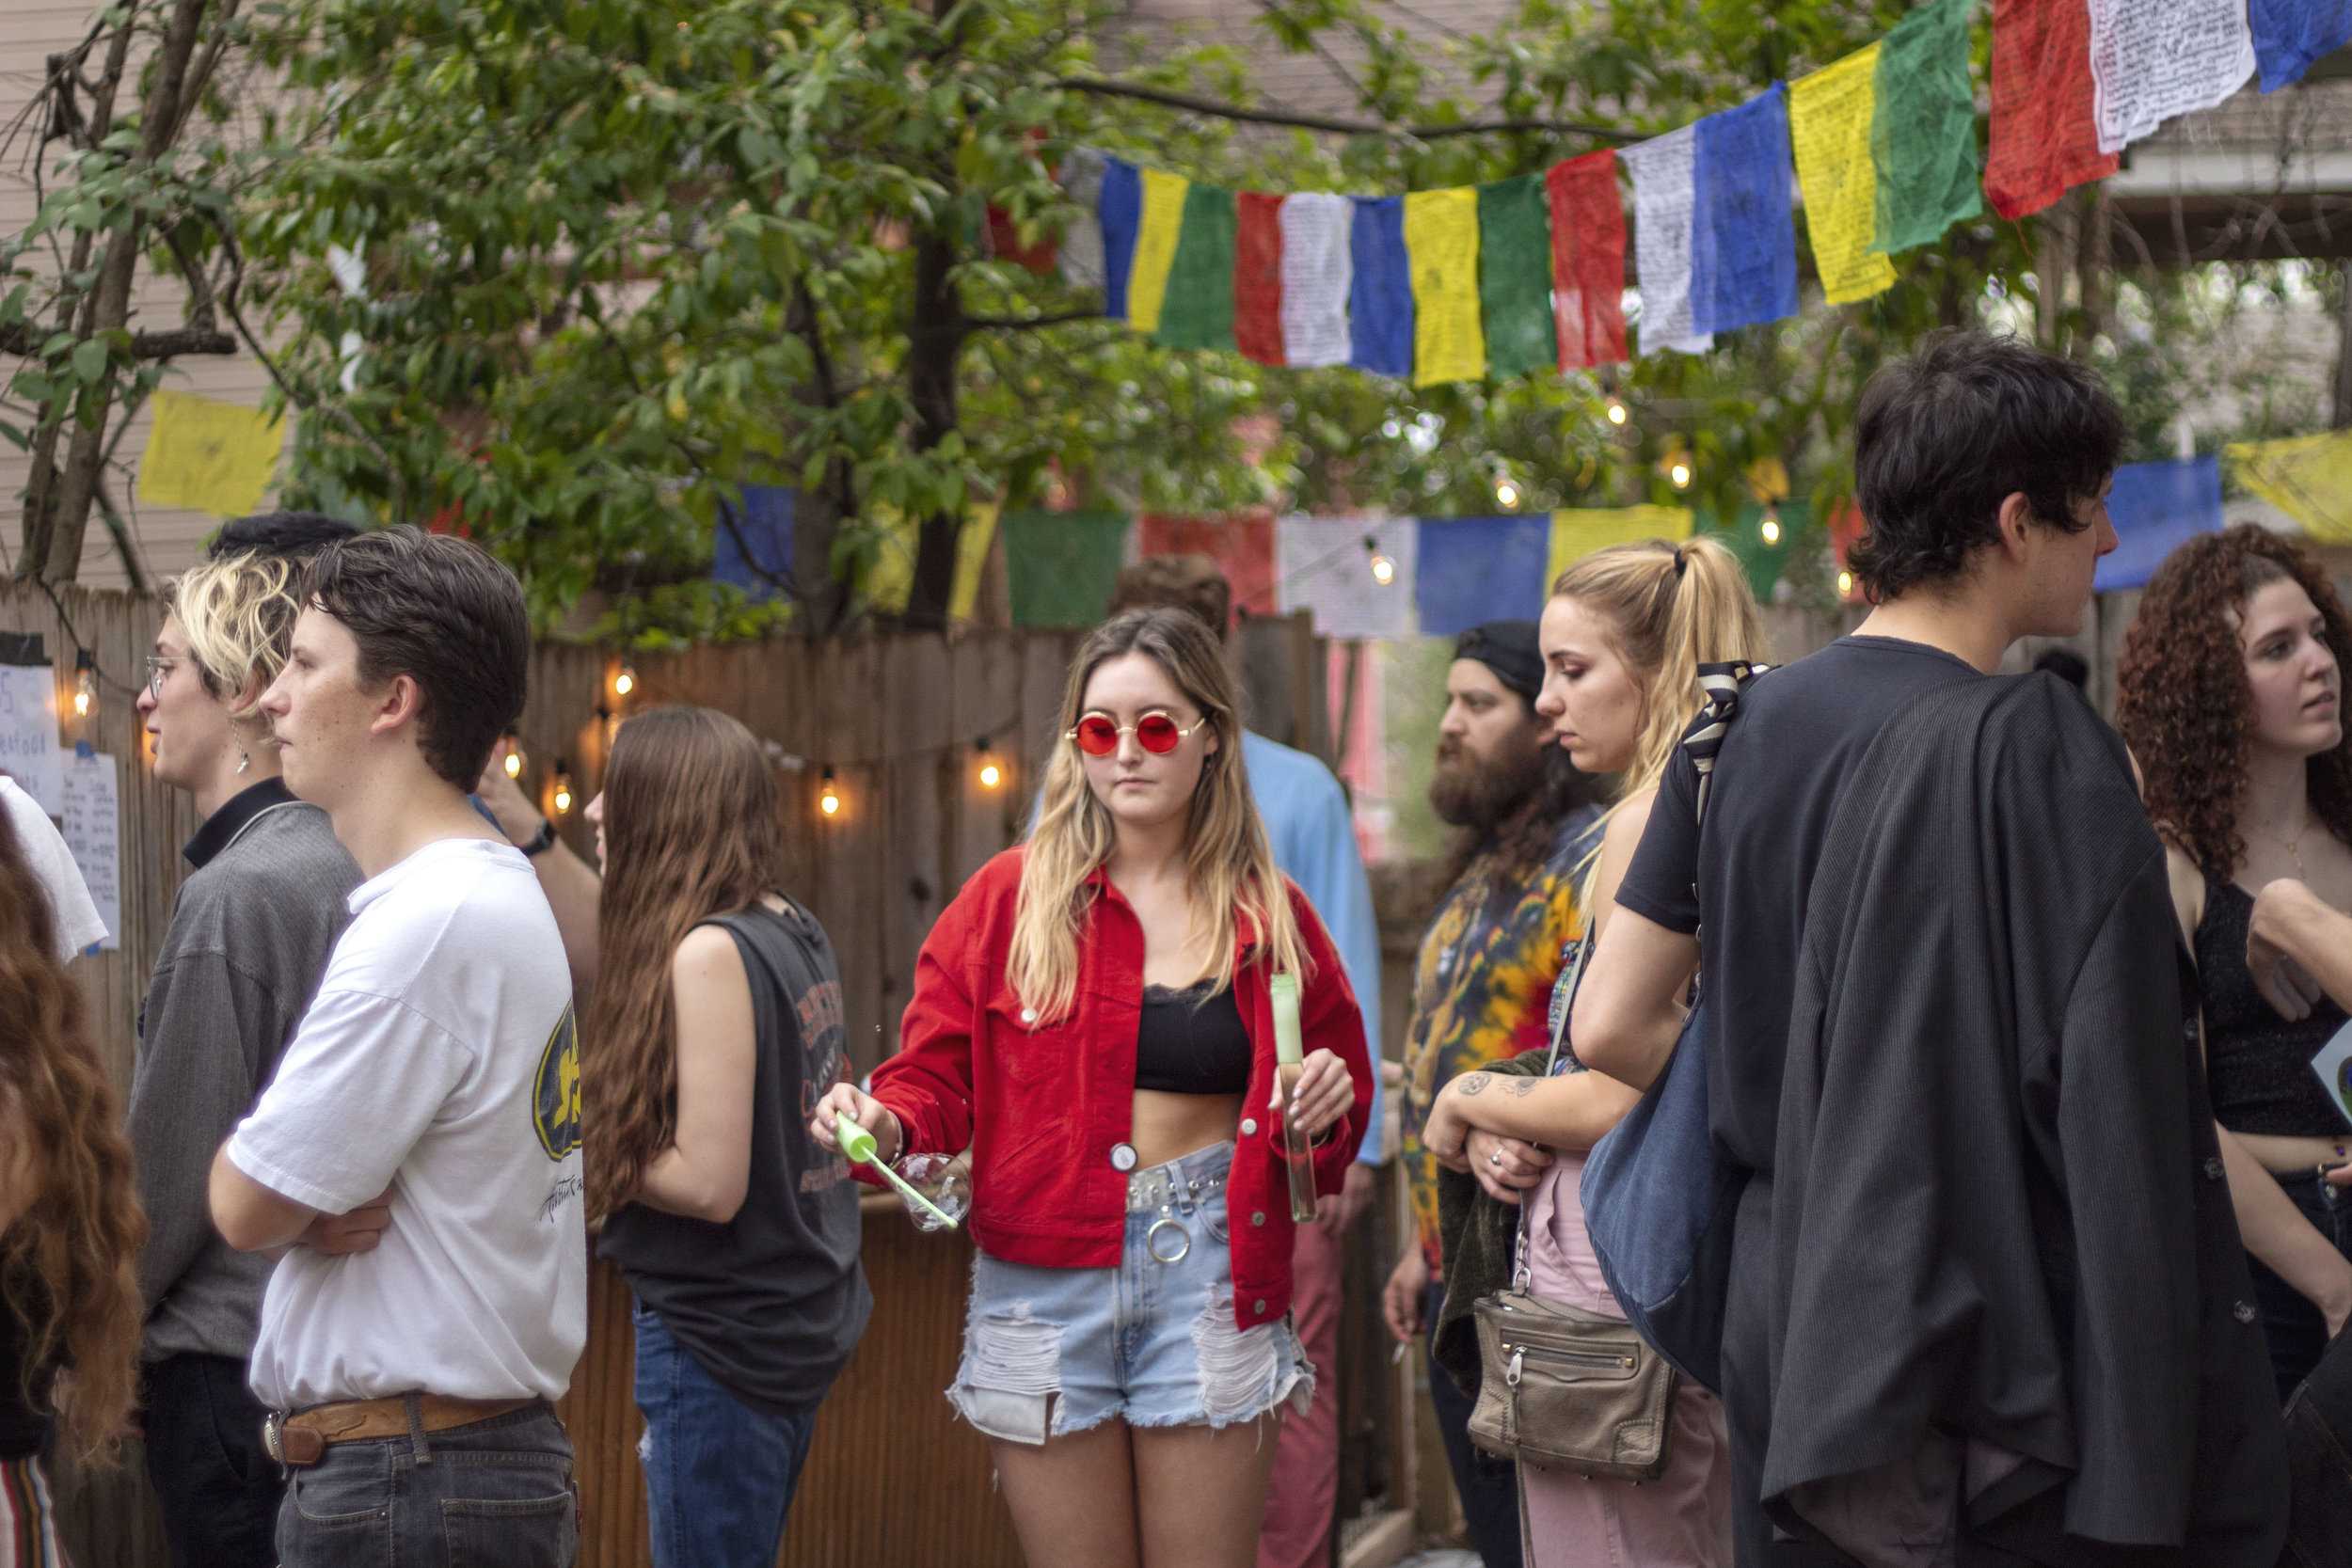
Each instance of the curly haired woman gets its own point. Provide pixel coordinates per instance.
(2232, 700)
(70, 1221)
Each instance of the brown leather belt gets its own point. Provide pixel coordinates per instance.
(302, 1438)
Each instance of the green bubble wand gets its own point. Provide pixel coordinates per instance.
(858, 1145)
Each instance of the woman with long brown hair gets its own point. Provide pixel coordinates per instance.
(1096, 1016)
(70, 1221)
(716, 1021)
(2230, 697)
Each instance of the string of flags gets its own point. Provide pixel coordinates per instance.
(1524, 275)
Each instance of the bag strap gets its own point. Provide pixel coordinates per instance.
(1720, 685)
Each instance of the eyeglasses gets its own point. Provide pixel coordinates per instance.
(1157, 732)
(156, 670)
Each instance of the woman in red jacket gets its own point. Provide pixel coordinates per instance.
(1093, 1015)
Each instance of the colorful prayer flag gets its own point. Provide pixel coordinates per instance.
(1441, 245)
(752, 546)
(1743, 237)
(889, 578)
(208, 456)
(1258, 277)
(1578, 532)
(1763, 560)
(1323, 566)
(1830, 116)
(1081, 254)
(2045, 140)
(2308, 477)
(1515, 276)
(1118, 218)
(1197, 309)
(1923, 138)
(1157, 238)
(1665, 193)
(2156, 507)
(2153, 59)
(1847, 526)
(1380, 295)
(1472, 570)
(1317, 273)
(1587, 260)
(2289, 34)
(1241, 544)
(1060, 567)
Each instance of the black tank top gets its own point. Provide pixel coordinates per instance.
(2258, 1066)
(771, 1303)
(1192, 1042)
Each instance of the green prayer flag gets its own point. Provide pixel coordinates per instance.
(1515, 276)
(1764, 561)
(1923, 138)
(1197, 311)
(1061, 566)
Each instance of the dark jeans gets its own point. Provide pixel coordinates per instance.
(217, 1490)
(494, 1494)
(719, 1475)
(2296, 1332)
(1489, 1487)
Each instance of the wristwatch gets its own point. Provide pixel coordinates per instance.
(542, 841)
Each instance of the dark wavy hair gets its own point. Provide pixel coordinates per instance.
(1943, 437)
(2182, 699)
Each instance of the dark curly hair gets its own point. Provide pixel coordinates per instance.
(1943, 437)
(2182, 699)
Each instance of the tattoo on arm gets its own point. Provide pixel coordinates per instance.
(1522, 1087)
(1470, 1083)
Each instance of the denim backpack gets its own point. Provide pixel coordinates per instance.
(1658, 1199)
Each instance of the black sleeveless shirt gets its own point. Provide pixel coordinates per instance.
(1191, 1041)
(2258, 1066)
(771, 1303)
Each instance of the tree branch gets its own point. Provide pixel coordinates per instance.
(26, 342)
(1024, 324)
(1340, 127)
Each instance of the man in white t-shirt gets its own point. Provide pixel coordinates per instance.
(436, 1073)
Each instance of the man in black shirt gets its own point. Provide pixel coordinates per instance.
(1982, 466)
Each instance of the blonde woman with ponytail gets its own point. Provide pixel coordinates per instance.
(1093, 1015)
(1623, 636)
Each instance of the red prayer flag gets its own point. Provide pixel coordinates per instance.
(1241, 544)
(2045, 140)
(1587, 260)
(1846, 528)
(1258, 278)
(1004, 242)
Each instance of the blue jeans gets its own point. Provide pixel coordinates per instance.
(719, 1475)
(2295, 1331)
(494, 1494)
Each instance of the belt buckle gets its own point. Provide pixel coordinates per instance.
(272, 1425)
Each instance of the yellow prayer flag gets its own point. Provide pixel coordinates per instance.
(889, 578)
(1830, 114)
(972, 542)
(1577, 532)
(1155, 246)
(208, 456)
(2308, 477)
(1441, 248)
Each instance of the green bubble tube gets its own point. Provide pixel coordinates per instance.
(857, 1144)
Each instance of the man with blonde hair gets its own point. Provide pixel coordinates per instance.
(249, 936)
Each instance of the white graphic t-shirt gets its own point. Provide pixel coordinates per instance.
(439, 1061)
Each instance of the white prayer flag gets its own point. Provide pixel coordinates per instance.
(1664, 171)
(1081, 249)
(2153, 59)
(1318, 270)
(1323, 565)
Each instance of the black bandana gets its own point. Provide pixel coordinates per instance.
(1508, 648)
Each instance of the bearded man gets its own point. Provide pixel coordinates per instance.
(1482, 987)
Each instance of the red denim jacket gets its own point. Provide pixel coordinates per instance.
(1044, 1105)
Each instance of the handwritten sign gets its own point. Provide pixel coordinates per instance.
(29, 732)
(93, 831)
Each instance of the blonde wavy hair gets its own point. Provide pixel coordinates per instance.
(238, 614)
(1229, 862)
(1669, 609)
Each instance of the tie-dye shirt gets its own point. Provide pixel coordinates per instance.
(1482, 988)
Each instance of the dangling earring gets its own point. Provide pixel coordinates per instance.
(244, 759)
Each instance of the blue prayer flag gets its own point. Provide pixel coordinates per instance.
(1472, 570)
(754, 540)
(2156, 507)
(1743, 229)
(1381, 293)
(1118, 209)
(2290, 33)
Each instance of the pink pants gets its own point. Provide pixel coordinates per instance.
(1305, 1490)
(1680, 1520)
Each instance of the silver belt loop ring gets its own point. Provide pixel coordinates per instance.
(1151, 1240)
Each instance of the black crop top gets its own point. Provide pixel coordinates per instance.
(2258, 1066)
(1192, 1042)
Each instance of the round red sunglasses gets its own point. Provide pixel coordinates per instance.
(1157, 732)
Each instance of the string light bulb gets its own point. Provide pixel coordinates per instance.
(1678, 473)
(1845, 584)
(828, 797)
(84, 683)
(1506, 493)
(992, 774)
(515, 759)
(1383, 568)
(1772, 525)
(562, 787)
(623, 681)
(1618, 413)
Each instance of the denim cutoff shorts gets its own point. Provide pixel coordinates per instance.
(1152, 1341)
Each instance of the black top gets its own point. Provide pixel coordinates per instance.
(1190, 1041)
(1801, 730)
(24, 1420)
(2257, 1064)
(229, 820)
(771, 1303)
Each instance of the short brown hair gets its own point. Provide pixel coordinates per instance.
(437, 609)
(1190, 583)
